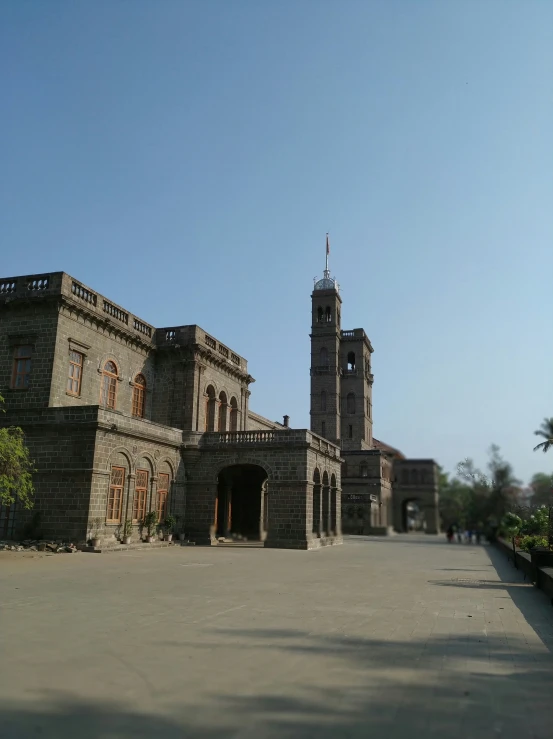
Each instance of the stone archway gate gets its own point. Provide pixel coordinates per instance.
(416, 480)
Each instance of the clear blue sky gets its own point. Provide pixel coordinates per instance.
(186, 159)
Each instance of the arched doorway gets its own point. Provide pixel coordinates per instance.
(241, 509)
(412, 516)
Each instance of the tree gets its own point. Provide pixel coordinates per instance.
(542, 490)
(546, 432)
(455, 498)
(15, 467)
(491, 495)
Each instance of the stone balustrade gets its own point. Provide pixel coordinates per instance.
(256, 438)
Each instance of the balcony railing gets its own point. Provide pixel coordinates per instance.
(240, 437)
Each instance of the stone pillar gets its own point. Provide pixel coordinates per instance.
(287, 525)
(317, 510)
(432, 515)
(201, 511)
(264, 512)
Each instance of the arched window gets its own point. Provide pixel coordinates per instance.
(317, 502)
(140, 495)
(319, 314)
(364, 470)
(323, 400)
(115, 497)
(163, 482)
(351, 361)
(233, 414)
(210, 403)
(414, 477)
(324, 356)
(328, 314)
(222, 421)
(108, 393)
(139, 396)
(350, 403)
(404, 477)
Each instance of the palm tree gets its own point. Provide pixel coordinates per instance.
(546, 431)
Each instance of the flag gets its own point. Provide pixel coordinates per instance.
(327, 246)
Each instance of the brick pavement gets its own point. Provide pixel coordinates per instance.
(385, 638)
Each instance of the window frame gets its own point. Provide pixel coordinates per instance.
(138, 406)
(140, 497)
(71, 379)
(111, 379)
(115, 495)
(25, 358)
(162, 496)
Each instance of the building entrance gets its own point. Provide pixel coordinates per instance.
(241, 509)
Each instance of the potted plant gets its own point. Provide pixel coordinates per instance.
(149, 523)
(95, 525)
(127, 531)
(170, 523)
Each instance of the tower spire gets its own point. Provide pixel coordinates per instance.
(327, 271)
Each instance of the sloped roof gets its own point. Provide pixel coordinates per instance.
(388, 449)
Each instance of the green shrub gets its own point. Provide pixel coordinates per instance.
(510, 524)
(537, 523)
(529, 542)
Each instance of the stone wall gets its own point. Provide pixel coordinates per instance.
(289, 459)
(30, 322)
(61, 444)
(99, 343)
(366, 473)
(133, 444)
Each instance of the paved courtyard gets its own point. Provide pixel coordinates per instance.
(384, 638)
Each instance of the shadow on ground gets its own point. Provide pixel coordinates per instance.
(433, 685)
(401, 690)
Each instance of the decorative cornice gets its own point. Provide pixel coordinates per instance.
(213, 359)
(103, 322)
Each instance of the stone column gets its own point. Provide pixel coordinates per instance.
(288, 516)
(264, 513)
(201, 511)
(432, 515)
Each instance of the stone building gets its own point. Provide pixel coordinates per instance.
(379, 485)
(122, 418)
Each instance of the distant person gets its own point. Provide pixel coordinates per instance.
(478, 536)
(459, 536)
(469, 536)
(449, 534)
